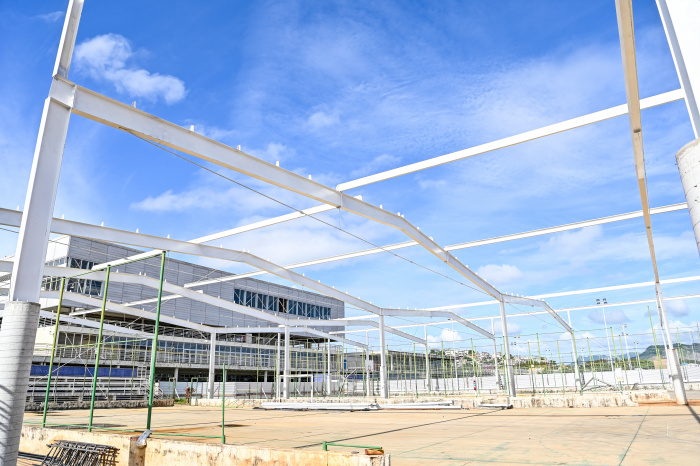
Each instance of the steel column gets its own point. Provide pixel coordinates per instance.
(510, 378)
(383, 382)
(681, 19)
(287, 363)
(212, 364)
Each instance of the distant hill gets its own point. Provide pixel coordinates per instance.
(690, 352)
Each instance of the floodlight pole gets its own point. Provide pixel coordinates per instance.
(212, 364)
(287, 364)
(21, 316)
(383, 382)
(510, 379)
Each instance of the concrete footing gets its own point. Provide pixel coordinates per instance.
(569, 400)
(118, 404)
(17, 334)
(181, 453)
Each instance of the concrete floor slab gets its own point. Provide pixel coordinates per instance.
(625, 435)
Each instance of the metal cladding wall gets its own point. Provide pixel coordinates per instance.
(180, 273)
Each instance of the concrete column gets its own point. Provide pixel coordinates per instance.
(277, 370)
(674, 366)
(212, 364)
(688, 159)
(287, 364)
(680, 19)
(427, 359)
(17, 334)
(383, 376)
(177, 373)
(510, 382)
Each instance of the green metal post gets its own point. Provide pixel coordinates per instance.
(154, 348)
(444, 371)
(532, 367)
(53, 353)
(415, 369)
(579, 381)
(590, 361)
(98, 349)
(473, 355)
(614, 354)
(563, 383)
(539, 355)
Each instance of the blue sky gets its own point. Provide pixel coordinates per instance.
(340, 90)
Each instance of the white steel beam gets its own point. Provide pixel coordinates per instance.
(625, 25)
(200, 297)
(512, 140)
(472, 244)
(110, 112)
(425, 313)
(533, 313)
(126, 310)
(234, 231)
(18, 332)
(68, 227)
(681, 20)
(537, 303)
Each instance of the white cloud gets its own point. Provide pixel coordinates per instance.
(105, 58)
(320, 119)
(375, 165)
(677, 307)
(499, 275)
(446, 335)
(612, 316)
(273, 152)
(52, 17)
(566, 336)
(513, 328)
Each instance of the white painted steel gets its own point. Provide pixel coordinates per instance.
(212, 364)
(532, 313)
(278, 386)
(110, 112)
(21, 317)
(424, 313)
(510, 376)
(625, 25)
(472, 244)
(35, 224)
(681, 19)
(591, 118)
(383, 373)
(67, 43)
(287, 364)
(232, 232)
(427, 359)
